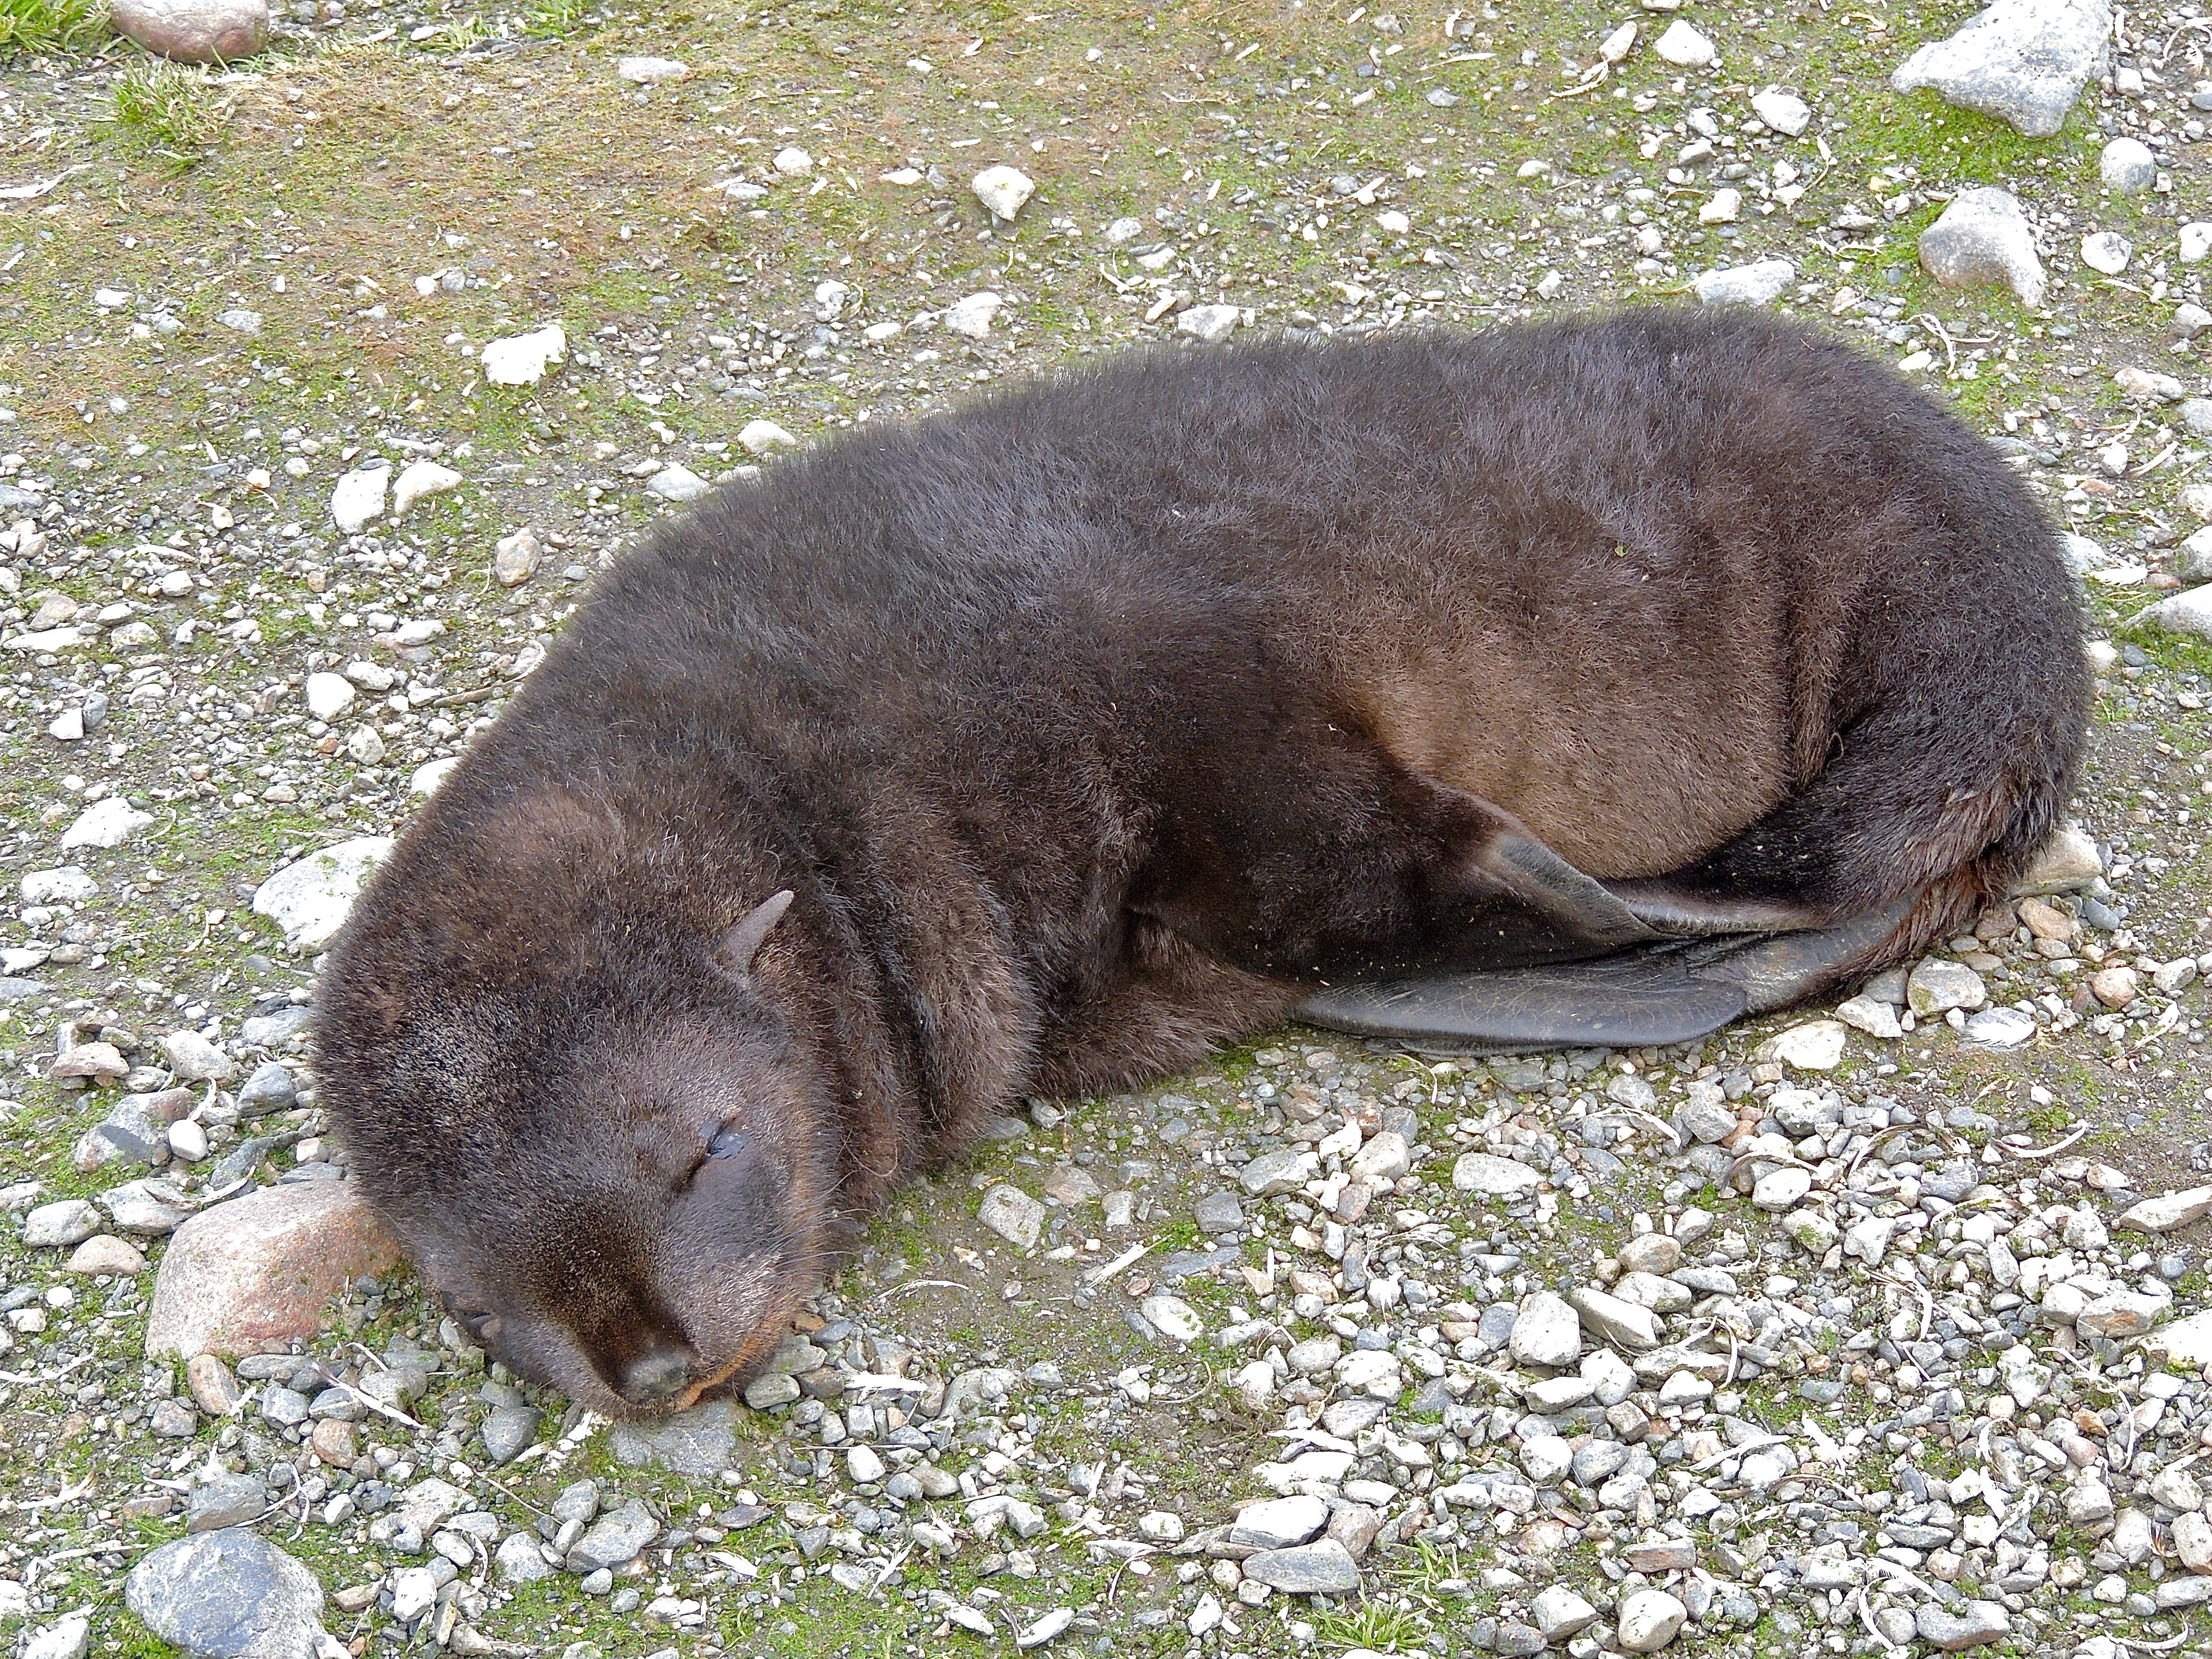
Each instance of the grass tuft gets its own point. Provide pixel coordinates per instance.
(49, 25)
(554, 18)
(167, 107)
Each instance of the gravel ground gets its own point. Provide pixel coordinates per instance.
(1852, 1335)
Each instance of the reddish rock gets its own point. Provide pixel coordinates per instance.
(250, 1275)
(195, 31)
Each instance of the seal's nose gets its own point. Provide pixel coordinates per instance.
(657, 1374)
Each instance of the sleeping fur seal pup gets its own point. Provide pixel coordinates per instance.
(1040, 746)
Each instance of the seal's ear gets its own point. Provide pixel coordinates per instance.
(735, 955)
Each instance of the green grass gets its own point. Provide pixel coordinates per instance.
(168, 108)
(554, 19)
(40, 26)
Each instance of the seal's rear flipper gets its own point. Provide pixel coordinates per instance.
(1646, 997)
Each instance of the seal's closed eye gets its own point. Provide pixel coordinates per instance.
(728, 1142)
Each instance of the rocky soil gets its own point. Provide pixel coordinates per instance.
(327, 381)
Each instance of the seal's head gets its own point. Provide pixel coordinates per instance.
(622, 1179)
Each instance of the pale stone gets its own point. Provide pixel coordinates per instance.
(1982, 236)
(650, 71)
(1648, 1619)
(523, 359)
(1211, 323)
(1003, 190)
(1012, 1214)
(196, 1059)
(2067, 861)
(792, 162)
(973, 316)
(1684, 46)
(1937, 986)
(758, 437)
(514, 558)
(1786, 112)
(1547, 1332)
(2024, 62)
(676, 482)
(2188, 612)
(103, 1253)
(107, 823)
(1816, 1046)
(2159, 1215)
(309, 899)
(418, 479)
(1614, 1319)
(1496, 1177)
(328, 696)
(1278, 1523)
(1876, 1019)
(2107, 251)
(1757, 284)
(1172, 1317)
(359, 498)
(2127, 164)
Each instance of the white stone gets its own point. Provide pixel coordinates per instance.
(359, 497)
(309, 899)
(1937, 986)
(1012, 1214)
(2024, 62)
(2195, 242)
(328, 696)
(1279, 1523)
(863, 1465)
(2066, 863)
(195, 1060)
(68, 884)
(2107, 251)
(1785, 112)
(2186, 612)
(2129, 165)
(676, 482)
(973, 315)
(523, 359)
(1545, 1458)
(1172, 1317)
(1497, 1177)
(1546, 1331)
(1616, 45)
(1874, 1017)
(758, 437)
(1375, 1372)
(2000, 1027)
(1560, 1613)
(66, 1638)
(1758, 284)
(794, 162)
(1208, 323)
(1778, 1190)
(108, 822)
(1982, 236)
(650, 71)
(1684, 46)
(1721, 206)
(1003, 190)
(425, 778)
(2185, 1345)
(1815, 1046)
(418, 479)
(1649, 1619)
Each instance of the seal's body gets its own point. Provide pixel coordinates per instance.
(1091, 727)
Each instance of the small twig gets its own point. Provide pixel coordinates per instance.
(1099, 1275)
(926, 1284)
(1935, 325)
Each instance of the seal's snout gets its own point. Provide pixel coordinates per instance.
(656, 1376)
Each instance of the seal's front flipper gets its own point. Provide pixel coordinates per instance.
(1645, 997)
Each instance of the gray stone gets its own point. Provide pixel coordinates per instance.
(64, 1222)
(520, 1561)
(228, 1595)
(1014, 1215)
(1219, 1212)
(1648, 1619)
(1324, 1569)
(1493, 1176)
(1977, 1623)
(1622, 1323)
(2188, 612)
(226, 1500)
(697, 1442)
(271, 1089)
(1547, 1333)
(1279, 1523)
(1758, 284)
(1982, 237)
(2024, 62)
(66, 1638)
(2129, 165)
(1560, 1613)
(1208, 323)
(509, 1430)
(1271, 1173)
(1785, 112)
(676, 482)
(2159, 1215)
(1937, 986)
(614, 1539)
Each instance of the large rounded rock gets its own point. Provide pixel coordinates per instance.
(195, 31)
(1649, 1619)
(2022, 61)
(257, 1271)
(228, 1595)
(1984, 237)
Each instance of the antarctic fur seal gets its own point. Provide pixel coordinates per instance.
(1040, 746)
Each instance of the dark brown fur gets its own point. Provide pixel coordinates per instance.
(1091, 724)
